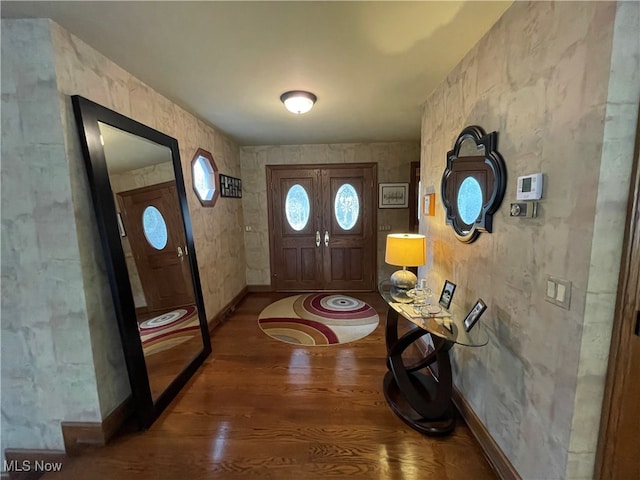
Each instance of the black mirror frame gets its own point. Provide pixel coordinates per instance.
(484, 222)
(88, 114)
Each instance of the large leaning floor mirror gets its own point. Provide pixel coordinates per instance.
(141, 211)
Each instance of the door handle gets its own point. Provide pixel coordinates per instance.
(180, 253)
(326, 238)
(317, 238)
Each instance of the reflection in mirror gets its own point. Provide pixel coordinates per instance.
(141, 212)
(143, 183)
(469, 148)
(469, 200)
(473, 183)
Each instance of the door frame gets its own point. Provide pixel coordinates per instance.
(320, 166)
(414, 197)
(620, 352)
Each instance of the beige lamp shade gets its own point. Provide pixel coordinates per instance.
(406, 250)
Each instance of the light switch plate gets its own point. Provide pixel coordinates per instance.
(558, 292)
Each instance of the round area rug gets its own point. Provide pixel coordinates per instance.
(169, 329)
(318, 319)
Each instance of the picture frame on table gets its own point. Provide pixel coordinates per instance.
(447, 294)
(393, 195)
(474, 314)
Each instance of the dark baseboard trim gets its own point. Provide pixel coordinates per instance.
(25, 464)
(260, 288)
(494, 454)
(80, 435)
(227, 310)
(117, 418)
(496, 457)
(142, 311)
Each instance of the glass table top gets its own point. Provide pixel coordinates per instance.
(435, 320)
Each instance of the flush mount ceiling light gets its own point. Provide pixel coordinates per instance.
(298, 101)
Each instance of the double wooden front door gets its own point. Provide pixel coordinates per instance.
(322, 227)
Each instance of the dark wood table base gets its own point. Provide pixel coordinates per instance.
(401, 407)
(412, 391)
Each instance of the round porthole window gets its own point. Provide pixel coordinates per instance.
(297, 207)
(155, 228)
(469, 200)
(346, 206)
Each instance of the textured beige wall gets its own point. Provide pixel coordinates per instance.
(393, 160)
(540, 78)
(63, 323)
(47, 368)
(621, 117)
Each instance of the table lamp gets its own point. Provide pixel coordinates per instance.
(405, 250)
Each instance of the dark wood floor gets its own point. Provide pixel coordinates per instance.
(262, 409)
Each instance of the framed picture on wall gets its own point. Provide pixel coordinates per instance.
(393, 195)
(121, 230)
(230, 186)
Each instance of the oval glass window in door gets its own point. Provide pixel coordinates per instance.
(297, 207)
(469, 200)
(346, 206)
(155, 228)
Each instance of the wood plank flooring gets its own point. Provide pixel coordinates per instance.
(263, 409)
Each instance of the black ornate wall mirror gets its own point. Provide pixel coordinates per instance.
(141, 211)
(473, 183)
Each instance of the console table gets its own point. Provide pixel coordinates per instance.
(419, 393)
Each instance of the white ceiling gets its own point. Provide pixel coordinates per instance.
(371, 64)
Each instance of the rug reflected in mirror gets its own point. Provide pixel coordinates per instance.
(169, 329)
(318, 319)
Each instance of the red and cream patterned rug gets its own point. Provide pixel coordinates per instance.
(169, 329)
(318, 319)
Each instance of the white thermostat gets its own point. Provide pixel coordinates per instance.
(530, 187)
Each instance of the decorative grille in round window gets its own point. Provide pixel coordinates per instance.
(297, 207)
(155, 228)
(346, 206)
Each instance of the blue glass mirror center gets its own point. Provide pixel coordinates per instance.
(469, 200)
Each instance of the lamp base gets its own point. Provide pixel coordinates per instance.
(401, 282)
